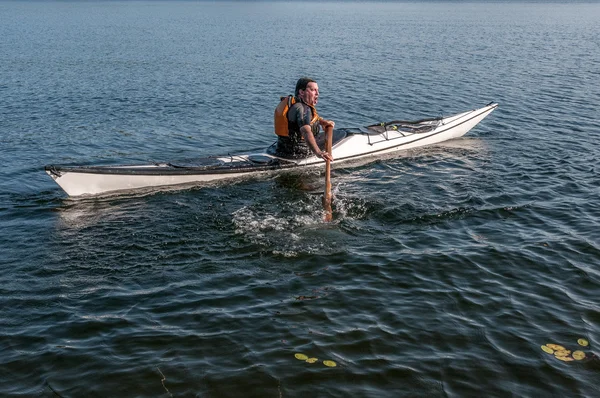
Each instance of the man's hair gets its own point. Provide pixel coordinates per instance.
(302, 83)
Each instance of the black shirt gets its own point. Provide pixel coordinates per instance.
(293, 145)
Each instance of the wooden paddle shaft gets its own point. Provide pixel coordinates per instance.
(327, 197)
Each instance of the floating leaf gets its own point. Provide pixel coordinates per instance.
(329, 363)
(312, 360)
(556, 347)
(562, 353)
(547, 349)
(307, 297)
(301, 357)
(579, 355)
(583, 342)
(566, 359)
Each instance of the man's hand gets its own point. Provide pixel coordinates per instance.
(326, 156)
(327, 123)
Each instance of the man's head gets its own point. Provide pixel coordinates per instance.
(307, 90)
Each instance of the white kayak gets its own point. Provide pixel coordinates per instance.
(348, 145)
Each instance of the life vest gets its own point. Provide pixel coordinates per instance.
(281, 120)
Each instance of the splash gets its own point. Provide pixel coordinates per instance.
(285, 234)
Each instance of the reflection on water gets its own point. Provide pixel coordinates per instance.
(79, 214)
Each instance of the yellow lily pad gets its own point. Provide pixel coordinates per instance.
(329, 363)
(547, 349)
(556, 347)
(312, 360)
(579, 355)
(566, 359)
(562, 353)
(301, 357)
(583, 342)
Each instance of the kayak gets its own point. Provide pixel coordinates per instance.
(349, 144)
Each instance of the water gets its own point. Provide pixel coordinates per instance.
(443, 272)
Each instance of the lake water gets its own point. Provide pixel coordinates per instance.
(445, 269)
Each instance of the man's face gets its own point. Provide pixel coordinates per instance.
(311, 95)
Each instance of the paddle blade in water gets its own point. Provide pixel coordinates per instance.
(328, 216)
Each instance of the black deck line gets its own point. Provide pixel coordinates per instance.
(170, 170)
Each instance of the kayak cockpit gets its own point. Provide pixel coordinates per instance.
(338, 136)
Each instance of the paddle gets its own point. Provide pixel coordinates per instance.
(327, 196)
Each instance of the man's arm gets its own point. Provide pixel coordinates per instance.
(312, 143)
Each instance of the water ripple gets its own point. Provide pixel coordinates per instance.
(445, 269)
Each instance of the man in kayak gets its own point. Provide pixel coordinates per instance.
(303, 124)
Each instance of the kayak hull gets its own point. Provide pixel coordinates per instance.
(349, 144)
(77, 183)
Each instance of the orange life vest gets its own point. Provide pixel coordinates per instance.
(280, 119)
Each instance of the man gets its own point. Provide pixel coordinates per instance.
(304, 123)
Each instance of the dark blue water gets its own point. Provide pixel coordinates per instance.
(443, 273)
